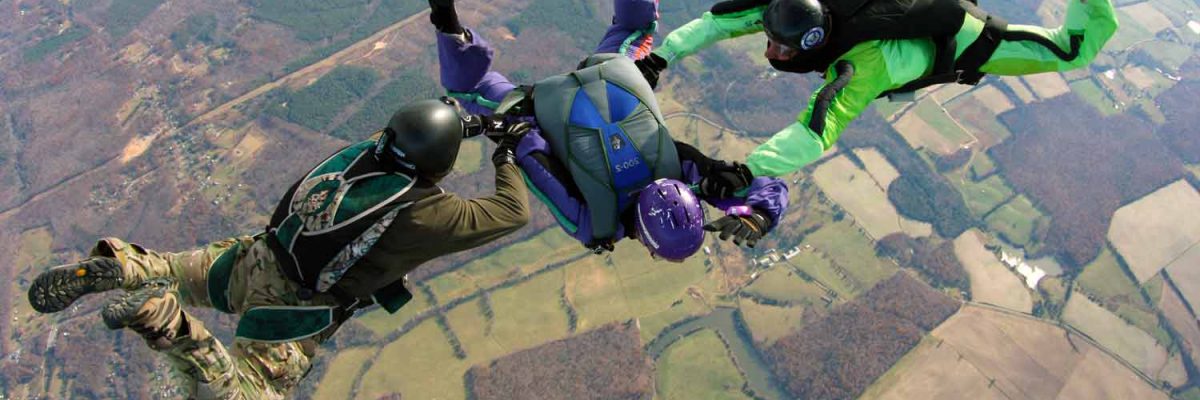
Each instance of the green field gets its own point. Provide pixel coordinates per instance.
(530, 313)
(421, 365)
(651, 286)
(698, 367)
(124, 15)
(407, 85)
(474, 332)
(819, 268)
(1153, 289)
(311, 20)
(52, 44)
(1129, 32)
(1103, 278)
(983, 196)
(769, 323)
(653, 324)
(1015, 220)
(853, 251)
(781, 283)
(981, 165)
(1090, 92)
(929, 111)
(518, 259)
(340, 375)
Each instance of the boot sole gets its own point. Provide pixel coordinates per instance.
(58, 288)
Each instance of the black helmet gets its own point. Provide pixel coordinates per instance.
(425, 136)
(799, 24)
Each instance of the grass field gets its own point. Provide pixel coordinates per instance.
(1015, 220)
(932, 114)
(975, 115)
(991, 281)
(420, 364)
(856, 191)
(1131, 343)
(474, 332)
(1105, 279)
(530, 313)
(920, 134)
(992, 98)
(983, 196)
(698, 366)
(1186, 276)
(981, 165)
(853, 251)
(769, 323)
(516, 260)
(781, 283)
(1129, 33)
(52, 44)
(1149, 17)
(337, 381)
(1090, 92)
(1172, 55)
(1155, 230)
(124, 15)
(654, 324)
(818, 266)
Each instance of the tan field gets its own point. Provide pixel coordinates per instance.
(878, 166)
(1148, 17)
(993, 99)
(1157, 229)
(920, 134)
(981, 353)
(1048, 85)
(943, 94)
(1183, 321)
(1139, 76)
(1125, 340)
(1185, 273)
(991, 281)
(1019, 88)
(863, 197)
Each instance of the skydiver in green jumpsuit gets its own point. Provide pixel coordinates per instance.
(865, 51)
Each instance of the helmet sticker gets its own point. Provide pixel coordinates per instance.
(813, 38)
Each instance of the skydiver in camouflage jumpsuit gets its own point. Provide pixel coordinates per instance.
(343, 237)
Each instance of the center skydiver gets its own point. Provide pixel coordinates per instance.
(868, 49)
(600, 156)
(342, 238)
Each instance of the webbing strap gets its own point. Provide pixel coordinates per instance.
(218, 278)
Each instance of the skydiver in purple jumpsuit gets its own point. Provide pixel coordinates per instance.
(465, 66)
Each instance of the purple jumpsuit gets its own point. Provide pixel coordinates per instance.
(465, 68)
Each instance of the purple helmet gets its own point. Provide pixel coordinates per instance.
(670, 220)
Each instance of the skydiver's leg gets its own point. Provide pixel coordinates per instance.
(1025, 50)
(465, 63)
(632, 30)
(206, 369)
(189, 268)
(114, 263)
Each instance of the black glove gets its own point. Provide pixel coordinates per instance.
(444, 17)
(743, 229)
(724, 180)
(506, 142)
(651, 66)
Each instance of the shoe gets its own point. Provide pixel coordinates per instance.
(150, 310)
(56, 289)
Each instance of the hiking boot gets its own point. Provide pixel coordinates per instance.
(56, 289)
(151, 310)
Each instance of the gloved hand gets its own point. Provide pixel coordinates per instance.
(745, 227)
(506, 142)
(651, 66)
(724, 180)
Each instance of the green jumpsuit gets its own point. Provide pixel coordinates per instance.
(883, 65)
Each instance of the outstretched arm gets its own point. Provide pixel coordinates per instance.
(726, 20)
(766, 195)
(465, 66)
(851, 85)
